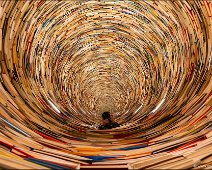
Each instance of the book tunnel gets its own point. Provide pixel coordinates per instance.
(64, 63)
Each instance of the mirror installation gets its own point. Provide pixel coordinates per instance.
(146, 63)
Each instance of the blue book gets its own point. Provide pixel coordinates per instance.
(133, 147)
(47, 164)
(99, 158)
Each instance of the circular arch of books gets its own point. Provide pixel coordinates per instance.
(147, 62)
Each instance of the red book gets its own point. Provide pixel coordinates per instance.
(49, 137)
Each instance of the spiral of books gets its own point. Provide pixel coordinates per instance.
(147, 62)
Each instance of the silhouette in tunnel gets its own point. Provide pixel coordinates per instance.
(107, 122)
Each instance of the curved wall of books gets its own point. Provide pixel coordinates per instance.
(65, 62)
